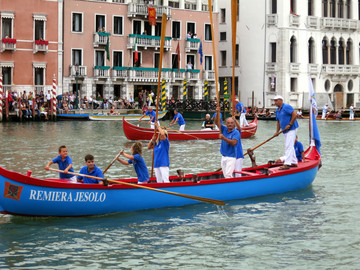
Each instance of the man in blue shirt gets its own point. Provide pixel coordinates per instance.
(92, 170)
(152, 115)
(221, 119)
(286, 120)
(229, 139)
(299, 151)
(179, 119)
(242, 111)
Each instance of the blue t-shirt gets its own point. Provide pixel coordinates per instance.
(238, 107)
(239, 150)
(221, 118)
(140, 168)
(298, 149)
(63, 165)
(181, 120)
(96, 172)
(161, 154)
(284, 116)
(226, 149)
(151, 114)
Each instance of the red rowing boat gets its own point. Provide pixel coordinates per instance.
(133, 132)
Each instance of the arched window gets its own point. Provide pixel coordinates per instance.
(325, 51)
(349, 52)
(325, 8)
(341, 52)
(333, 52)
(311, 50)
(348, 9)
(332, 9)
(340, 9)
(293, 50)
(310, 8)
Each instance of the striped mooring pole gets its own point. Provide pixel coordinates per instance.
(206, 91)
(225, 95)
(184, 89)
(1, 98)
(53, 99)
(163, 95)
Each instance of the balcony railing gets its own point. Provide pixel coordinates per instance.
(294, 20)
(271, 67)
(272, 19)
(312, 22)
(294, 67)
(101, 71)
(119, 73)
(140, 74)
(8, 44)
(192, 44)
(340, 69)
(209, 75)
(38, 89)
(338, 23)
(41, 46)
(100, 38)
(82, 71)
(313, 68)
(135, 9)
(148, 41)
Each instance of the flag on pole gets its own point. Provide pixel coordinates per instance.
(201, 53)
(178, 55)
(136, 57)
(314, 131)
(107, 48)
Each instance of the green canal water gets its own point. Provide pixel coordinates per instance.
(316, 228)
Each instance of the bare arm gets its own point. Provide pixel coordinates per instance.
(217, 118)
(48, 165)
(68, 168)
(152, 142)
(292, 120)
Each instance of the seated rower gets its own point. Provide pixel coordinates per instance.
(208, 124)
(92, 170)
(299, 151)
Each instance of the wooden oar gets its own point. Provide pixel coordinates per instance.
(196, 198)
(234, 9)
(112, 162)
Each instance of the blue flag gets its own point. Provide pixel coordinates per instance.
(201, 53)
(314, 131)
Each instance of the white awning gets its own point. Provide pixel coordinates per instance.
(39, 17)
(7, 14)
(39, 65)
(7, 64)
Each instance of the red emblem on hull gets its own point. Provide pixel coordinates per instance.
(12, 191)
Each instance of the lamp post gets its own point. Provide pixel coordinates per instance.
(76, 86)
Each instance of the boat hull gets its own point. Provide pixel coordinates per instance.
(133, 132)
(128, 117)
(24, 195)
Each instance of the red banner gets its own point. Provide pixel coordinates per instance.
(12, 191)
(152, 15)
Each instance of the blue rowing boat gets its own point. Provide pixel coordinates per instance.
(24, 195)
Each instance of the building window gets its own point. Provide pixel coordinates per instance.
(222, 15)
(156, 60)
(191, 6)
(174, 4)
(174, 61)
(310, 7)
(223, 58)
(176, 29)
(100, 23)
(39, 30)
(158, 29)
(222, 36)
(137, 27)
(77, 22)
(76, 57)
(348, 9)
(311, 50)
(293, 6)
(237, 55)
(7, 78)
(273, 52)
(293, 82)
(190, 59)
(6, 26)
(100, 58)
(118, 25)
(293, 50)
(208, 62)
(340, 9)
(190, 27)
(273, 6)
(333, 52)
(138, 63)
(208, 32)
(332, 9)
(325, 8)
(39, 76)
(341, 53)
(349, 50)
(325, 52)
(272, 83)
(117, 59)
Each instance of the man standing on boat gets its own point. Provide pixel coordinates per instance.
(286, 120)
(351, 112)
(179, 119)
(152, 115)
(324, 112)
(229, 139)
(242, 111)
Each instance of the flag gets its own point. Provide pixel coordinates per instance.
(178, 55)
(136, 57)
(314, 132)
(107, 49)
(201, 53)
(152, 15)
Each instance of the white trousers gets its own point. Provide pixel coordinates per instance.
(238, 166)
(290, 156)
(182, 128)
(243, 121)
(152, 125)
(323, 115)
(351, 116)
(228, 166)
(162, 174)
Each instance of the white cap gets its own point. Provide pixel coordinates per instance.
(236, 100)
(278, 97)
